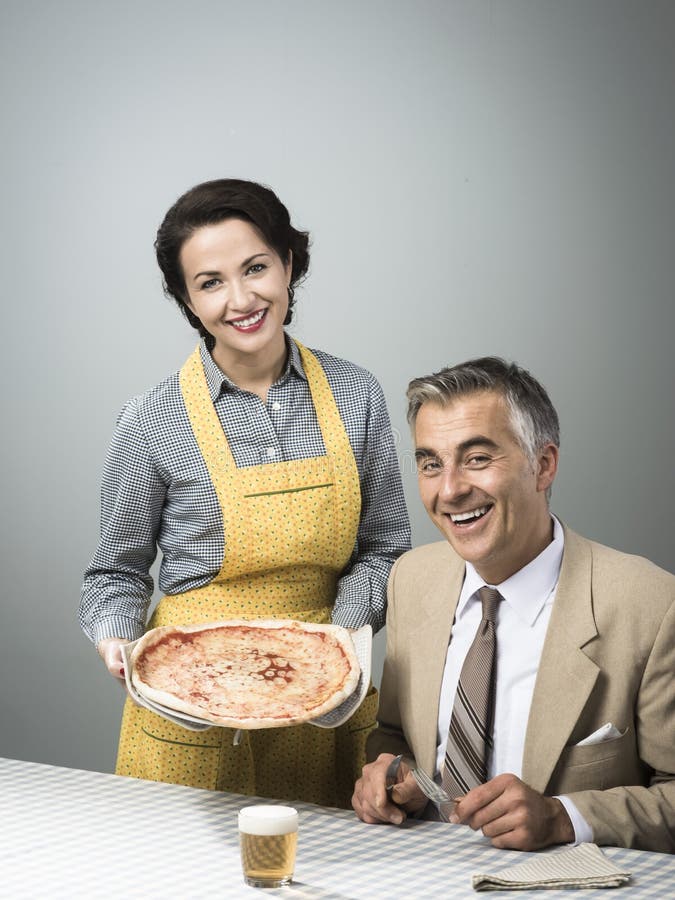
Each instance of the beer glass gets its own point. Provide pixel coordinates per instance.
(268, 837)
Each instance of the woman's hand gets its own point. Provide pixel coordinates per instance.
(110, 651)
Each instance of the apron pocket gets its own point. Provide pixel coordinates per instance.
(350, 746)
(157, 750)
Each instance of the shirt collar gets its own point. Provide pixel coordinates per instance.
(217, 381)
(294, 359)
(530, 587)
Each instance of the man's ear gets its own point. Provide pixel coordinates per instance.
(547, 466)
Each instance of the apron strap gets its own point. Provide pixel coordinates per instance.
(203, 417)
(335, 437)
(209, 432)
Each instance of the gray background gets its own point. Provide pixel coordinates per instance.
(479, 177)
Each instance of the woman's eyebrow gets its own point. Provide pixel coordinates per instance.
(250, 259)
(199, 275)
(246, 262)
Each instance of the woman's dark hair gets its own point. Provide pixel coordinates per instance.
(213, 202)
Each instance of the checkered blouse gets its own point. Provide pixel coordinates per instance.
(157, 493)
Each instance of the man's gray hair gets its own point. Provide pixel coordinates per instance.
(533, 416)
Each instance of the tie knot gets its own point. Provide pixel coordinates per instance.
(489, 597)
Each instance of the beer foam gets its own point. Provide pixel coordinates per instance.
(268, 820)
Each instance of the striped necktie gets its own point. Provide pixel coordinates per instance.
(470, 732)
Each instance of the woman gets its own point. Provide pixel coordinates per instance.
(266, 475)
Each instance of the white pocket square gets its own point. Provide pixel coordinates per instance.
(606, 732)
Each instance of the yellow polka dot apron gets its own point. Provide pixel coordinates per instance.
(290, 529)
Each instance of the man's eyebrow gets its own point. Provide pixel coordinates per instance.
(478, 440)
(422, 453)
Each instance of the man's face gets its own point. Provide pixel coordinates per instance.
(479, 487)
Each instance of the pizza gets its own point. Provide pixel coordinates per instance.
(247, 674)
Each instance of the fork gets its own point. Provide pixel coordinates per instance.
(429, 787)
(426, 784)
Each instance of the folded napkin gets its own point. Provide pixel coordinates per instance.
(577, 867)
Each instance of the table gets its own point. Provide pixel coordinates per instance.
(70, 833)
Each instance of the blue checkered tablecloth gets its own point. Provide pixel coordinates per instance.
(69, 833)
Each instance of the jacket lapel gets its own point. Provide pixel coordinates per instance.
(431, 639)
(566, 675)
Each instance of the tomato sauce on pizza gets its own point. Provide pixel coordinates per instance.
(247, 674)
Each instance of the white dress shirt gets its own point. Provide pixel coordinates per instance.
(522, 620)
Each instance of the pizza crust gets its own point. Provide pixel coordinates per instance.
(247, 673)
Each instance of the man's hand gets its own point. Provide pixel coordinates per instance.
(514, 815)
(371, 801)
(109, 649)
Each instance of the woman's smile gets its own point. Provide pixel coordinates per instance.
(249, 323)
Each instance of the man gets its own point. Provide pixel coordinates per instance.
(547, 706)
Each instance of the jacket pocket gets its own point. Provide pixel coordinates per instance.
(598, 766)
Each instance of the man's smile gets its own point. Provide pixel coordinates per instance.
(465, 518)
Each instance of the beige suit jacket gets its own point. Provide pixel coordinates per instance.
(608, 656)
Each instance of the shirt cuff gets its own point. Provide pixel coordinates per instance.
(117, 627)
(583, 833)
